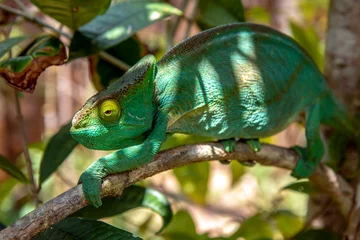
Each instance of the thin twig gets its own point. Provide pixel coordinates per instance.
(72, 200)
(26, 151)
(104, 55)
(21, 5)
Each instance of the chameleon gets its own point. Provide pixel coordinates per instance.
(241, 80)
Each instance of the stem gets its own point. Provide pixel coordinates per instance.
(26, 152)
(104, 55)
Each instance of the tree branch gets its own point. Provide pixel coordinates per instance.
(72, 200)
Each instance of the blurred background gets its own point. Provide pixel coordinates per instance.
(208, 198)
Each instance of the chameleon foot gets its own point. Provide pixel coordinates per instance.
(254, 144)
(303, 168)
(91, 186)
(229, 146)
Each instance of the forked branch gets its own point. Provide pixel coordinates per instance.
(72, 200)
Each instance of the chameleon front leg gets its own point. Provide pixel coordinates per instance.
(122, 160)
(310, 157)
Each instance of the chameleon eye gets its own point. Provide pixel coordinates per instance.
(109, 111)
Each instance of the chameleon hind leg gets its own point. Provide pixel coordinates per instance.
(230, 145)
(310, 157)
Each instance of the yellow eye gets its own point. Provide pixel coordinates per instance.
(109, 111)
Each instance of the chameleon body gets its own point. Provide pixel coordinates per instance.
(240, 80)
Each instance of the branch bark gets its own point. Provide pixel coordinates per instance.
(72, 200)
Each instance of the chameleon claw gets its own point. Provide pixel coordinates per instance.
(254, 144)
(229, 144)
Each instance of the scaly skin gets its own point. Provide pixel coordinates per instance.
(235, 81)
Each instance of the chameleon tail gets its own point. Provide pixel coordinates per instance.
(347, 128)
(334, 114)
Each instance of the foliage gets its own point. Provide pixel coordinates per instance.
(101, 28)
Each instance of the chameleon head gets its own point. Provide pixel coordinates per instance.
(122, 114)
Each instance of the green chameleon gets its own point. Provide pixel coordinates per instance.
(241, 80)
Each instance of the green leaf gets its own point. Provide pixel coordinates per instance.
(213, 13)
(317, 234)
(22, 72)
(120, 22)
(2, 226)
(72, 13)
(76, 228)
(6, 45)
(288, 223)
(132, 197)
(310, 41)
(181, 227)
(302, 187)
(11, 169)
(194, 180)
(6, 187)
(103, 73)
(256, 227)
(237, 171)
(58, 148)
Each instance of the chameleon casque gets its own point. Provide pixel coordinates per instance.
(241, 80)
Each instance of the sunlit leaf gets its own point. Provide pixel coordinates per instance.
(194, 180)
(213, 13)
(6, 45)
(302, 187)
(237, 171)
(179, 139)
(288, 223)
(317, 234)
(11, 169)
(57, 150)
(72, 13)
(103, 73)
(256, 227)
(258, 14)
(6, 187)
(22, 72)
(120, 22)
(310, 41)
(76, 228)
(132, 197)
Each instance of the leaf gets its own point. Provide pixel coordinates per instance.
(72, 13)
(213, 13)
(11, 169)
(22, 72)
(256, 227)
(194, 180)
(310, 41)
(302, 187)
(103, 73)
(316, 234)
(288, 223)
(237, 171)
(132, 197)
(2, 226)
(76, 228)
(181, 227)
(6, 45)
(120, 22)
(57, 150)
